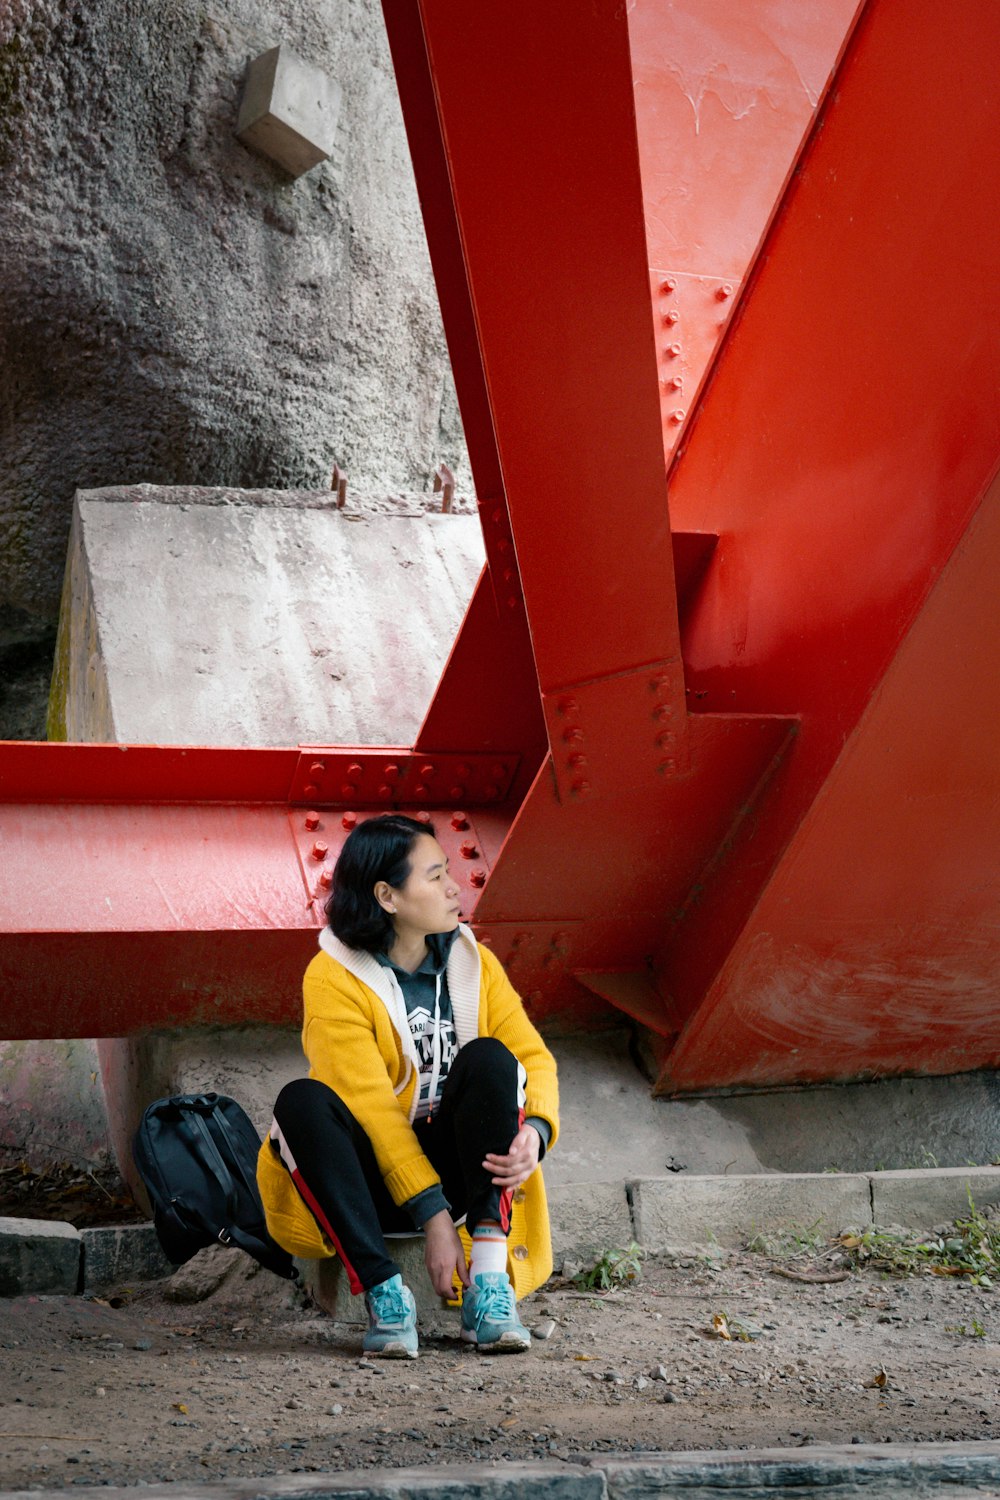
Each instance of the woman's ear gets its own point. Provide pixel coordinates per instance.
(385, 897)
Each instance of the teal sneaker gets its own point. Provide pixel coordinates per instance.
(489, 1315)
(392, 1320)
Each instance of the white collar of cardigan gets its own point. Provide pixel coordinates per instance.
(463, 972)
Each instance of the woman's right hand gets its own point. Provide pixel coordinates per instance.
(443, 1254)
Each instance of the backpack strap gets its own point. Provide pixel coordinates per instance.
(193, 1126)
(270, 1255)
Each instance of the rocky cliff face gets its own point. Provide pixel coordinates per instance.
(175, 310)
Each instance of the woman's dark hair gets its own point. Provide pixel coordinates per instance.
(378, 849)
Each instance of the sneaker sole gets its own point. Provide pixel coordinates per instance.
(507, 1343)
(392, 1351)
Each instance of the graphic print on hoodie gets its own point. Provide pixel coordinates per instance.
(429, 1015)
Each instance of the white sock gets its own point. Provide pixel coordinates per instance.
(489, 1250)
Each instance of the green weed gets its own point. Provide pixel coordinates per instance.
(614, 1268)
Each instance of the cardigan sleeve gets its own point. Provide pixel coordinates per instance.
(506, 1020)
(341, 1045)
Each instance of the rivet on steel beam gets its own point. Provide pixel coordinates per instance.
(497, 517)
(519, 938)
(491, 792)
(568, 706)
(459, 821)
(498, 771)
(677, 417)
(477, 878)
(354, 771)
(667, 739)
(512, 601)
(560, 940)
(311, 790)
(312, 821)
(320, 849)
(421, 791)
(509, 574)
(391, 772)
(454, 792)
(423, 817)
(572, 734)
(668, 284)
(317, 768)
(326, 877)
(576, 760)
(725, 290)
(668, 767)
(660, 683)
(663, 711)
(675, 383)
(468, 850)
(349, 821)
(348, 789)
(503, 545)
(463, 772)
(426, 772)
(672, 351)
(671, 317)
(385, 790)
(580, 786)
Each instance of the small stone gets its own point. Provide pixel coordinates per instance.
(143, 1344)
(640, 1382)
(544, 1329)
(670, 1397)
(658, 1372)
(334, 1410)
(292, 1405)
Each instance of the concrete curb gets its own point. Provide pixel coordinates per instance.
(920, 1469)
(672, 1213)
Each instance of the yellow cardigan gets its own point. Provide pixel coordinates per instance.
(357, 1041)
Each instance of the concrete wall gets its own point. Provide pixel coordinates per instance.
(174, 309)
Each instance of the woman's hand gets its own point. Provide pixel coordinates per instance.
(443, 1254)
(517, 1165)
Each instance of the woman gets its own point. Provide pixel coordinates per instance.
(430, 1098)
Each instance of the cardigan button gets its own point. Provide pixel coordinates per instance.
(519, 1195)
(520, 1252)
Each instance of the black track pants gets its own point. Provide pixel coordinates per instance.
(333, 1165)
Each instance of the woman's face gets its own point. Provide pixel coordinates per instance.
(428, 899)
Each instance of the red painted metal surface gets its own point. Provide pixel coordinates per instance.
(840, 497)
(724, 95)
(736, 781)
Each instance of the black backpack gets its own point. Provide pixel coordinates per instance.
(197, 1155)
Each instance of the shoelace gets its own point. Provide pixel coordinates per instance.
(495, 1300)
(388, 1305)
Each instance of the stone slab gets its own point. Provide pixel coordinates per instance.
(38, 1257)
(302, 623)
(121, 1254)
(836, 1473)
(921, 1199)
(691, 1211)
(587, 1217)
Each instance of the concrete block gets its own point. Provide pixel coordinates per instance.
(678, 1210)
(121, 1254)
(920, 1199)
(587, 1216)
(328, 1284)
(38, 1257)
(289, 111)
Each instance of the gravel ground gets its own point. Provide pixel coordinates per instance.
(252, 1381)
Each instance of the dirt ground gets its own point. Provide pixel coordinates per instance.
(253, 1382)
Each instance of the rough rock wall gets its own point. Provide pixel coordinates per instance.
(174, 310)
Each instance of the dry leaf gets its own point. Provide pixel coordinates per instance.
(510, 1421)
(583, 1357)
(849, 1241)
(179, 1406)
(721, 1327)
(877, 1382)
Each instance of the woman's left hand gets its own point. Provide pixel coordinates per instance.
(517, 1165)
